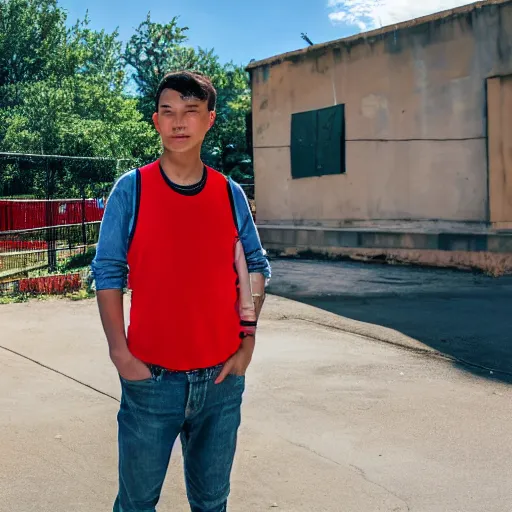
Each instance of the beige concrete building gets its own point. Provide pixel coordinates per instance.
(397, 141)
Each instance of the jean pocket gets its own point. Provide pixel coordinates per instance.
(239, 381)
(136, 382)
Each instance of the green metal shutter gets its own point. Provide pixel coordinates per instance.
(303, 144)
(330, 141)
(318, 142)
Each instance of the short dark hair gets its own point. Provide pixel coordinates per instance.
(189, 84)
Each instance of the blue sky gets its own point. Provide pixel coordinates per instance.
(241, 30)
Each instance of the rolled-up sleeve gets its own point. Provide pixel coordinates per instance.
(255, 254)
(110, 267)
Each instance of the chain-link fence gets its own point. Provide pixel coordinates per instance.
(50, 213)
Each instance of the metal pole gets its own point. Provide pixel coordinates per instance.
(50, 230)
(84, 220)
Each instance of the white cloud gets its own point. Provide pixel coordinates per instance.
(370, 14)
(338, 16)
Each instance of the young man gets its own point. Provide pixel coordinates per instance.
(174, 224)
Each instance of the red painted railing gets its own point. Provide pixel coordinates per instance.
(18, 215)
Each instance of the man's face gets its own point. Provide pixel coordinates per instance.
(182, 122)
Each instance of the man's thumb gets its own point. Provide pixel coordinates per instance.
(224, 372)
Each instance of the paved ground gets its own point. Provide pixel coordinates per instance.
(463, 315)
(332, 421)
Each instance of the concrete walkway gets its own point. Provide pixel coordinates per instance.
(332, 421)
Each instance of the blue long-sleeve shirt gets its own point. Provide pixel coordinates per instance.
(110, 267)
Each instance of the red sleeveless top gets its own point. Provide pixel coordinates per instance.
(184, 309)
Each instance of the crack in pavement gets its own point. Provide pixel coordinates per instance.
(361, 472)
(49, 368)
(356, 469)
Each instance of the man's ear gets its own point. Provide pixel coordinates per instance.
(155, 122)
(213, 116)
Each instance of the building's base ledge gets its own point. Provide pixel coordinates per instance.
(412, 227)
(490, 253)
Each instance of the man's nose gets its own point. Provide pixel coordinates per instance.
(179, 122)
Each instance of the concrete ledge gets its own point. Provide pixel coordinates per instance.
(390, 225)
(490, 253)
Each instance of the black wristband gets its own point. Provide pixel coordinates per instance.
(248, 323)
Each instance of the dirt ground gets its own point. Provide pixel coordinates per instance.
(333, 419)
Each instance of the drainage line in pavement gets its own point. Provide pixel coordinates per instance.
(59, 373)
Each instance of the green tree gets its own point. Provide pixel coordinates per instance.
(36, 45)
(79, 117)
(148, 54)
(32, 39)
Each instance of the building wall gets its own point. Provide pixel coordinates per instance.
(416, 124)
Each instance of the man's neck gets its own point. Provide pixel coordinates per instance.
(182, 168)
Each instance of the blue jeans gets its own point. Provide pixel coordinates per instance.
(153, 413)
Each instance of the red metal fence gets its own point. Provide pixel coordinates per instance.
(16, 215)
(38, 234)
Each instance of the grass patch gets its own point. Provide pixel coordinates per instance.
(80, 295)
(22, 297)
(13, 299)
(78, 261)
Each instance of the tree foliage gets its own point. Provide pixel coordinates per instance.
(64, 91)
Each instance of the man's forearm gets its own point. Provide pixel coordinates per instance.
(258, 291)
(110, 304)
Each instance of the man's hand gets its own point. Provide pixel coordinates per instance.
(238, 363)
(129, 367)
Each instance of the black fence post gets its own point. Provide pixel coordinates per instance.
(84, 222)
(50, 228)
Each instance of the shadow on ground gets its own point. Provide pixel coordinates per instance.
(463, 315)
